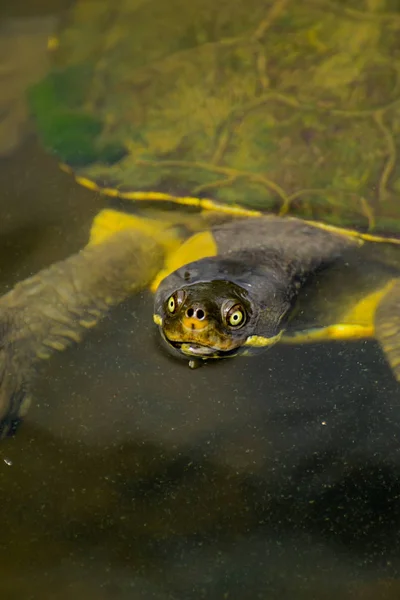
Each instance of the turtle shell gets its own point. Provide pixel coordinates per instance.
(291, 107)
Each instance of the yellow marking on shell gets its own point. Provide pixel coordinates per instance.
(259, 341)
(87, 183)
(229, 209)
(112, 192)
(158, 320)
(353, 233)
(194, 324)
(138, 196)
(363, 312)
(200, 245)
(338, 332)
(211, 205)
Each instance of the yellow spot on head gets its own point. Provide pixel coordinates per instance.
(158, 320)
(193, 324)
(259, 341)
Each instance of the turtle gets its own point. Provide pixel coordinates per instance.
(223, 287)
(257, 209)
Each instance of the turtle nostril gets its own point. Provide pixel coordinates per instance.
(197, 313)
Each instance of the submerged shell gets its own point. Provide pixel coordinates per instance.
(278, 105)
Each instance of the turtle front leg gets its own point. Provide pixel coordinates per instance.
(51, 310)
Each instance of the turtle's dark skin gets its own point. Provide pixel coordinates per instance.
(287, 280)
(230, 289)
(260, 268)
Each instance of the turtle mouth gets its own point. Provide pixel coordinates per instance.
(190, 349)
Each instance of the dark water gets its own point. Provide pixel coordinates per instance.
(134, 477)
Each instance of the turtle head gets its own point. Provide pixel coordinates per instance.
(215, 308)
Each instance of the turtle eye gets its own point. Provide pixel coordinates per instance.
(236, 316)
(175, 301)
(171, 304)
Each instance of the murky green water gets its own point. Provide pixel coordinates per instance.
(134, 477)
